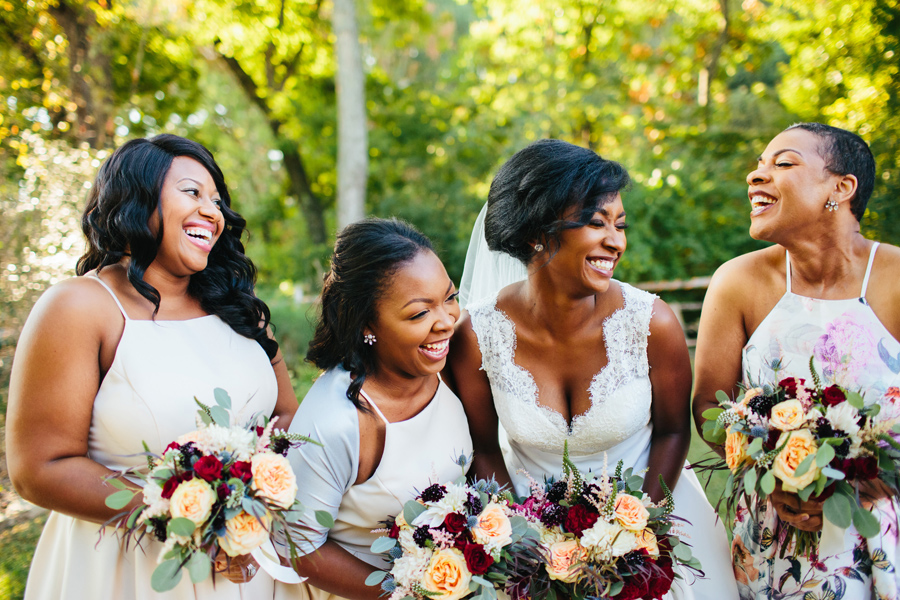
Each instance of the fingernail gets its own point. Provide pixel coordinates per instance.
(804, 517)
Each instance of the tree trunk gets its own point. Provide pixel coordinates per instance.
(353, 137)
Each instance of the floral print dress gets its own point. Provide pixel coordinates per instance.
(853, 349)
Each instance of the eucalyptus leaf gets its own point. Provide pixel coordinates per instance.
(376, 577)
(804, 465)
(166, 576)
(615, 588)
(833, 473)
(198, 566)
(411, 510)
(750, 480)
(855, 400)
(325, 519)
(481, 581)
(382, 544)
(119, 500)
(682, 552)
(133, 517)
(824, 455)
(635, 482)
(806, 492)
(721, 396)
(116, 483)
(712, 413)
(220, 416)
(256, 508)
(181, 526)
(838, 510)
(755, 447)
(222, 398)
(866, 523)
(767, 483)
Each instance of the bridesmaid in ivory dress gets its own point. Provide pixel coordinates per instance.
(388, 424)
(570, 355)
(821, 290)
(162, 311)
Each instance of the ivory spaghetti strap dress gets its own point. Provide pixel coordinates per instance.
(148, 395)
(852, 348)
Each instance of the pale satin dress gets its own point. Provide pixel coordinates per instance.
(419, 451)
(148, 396)
(617, 426)
(852, 348)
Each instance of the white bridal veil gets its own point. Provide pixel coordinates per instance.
(486, 272)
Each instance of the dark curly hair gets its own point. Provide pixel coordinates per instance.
(845, 153)
(540, 183)
(366, 254)
(116, 220)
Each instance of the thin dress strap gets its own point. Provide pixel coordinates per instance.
(375, 406)
(111, 293)
(787, 270)
(862, 293)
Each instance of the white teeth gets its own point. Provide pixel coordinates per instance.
(437, 346)
(758, 200)
(603, 265)
(197, 232)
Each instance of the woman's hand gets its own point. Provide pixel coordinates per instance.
(240, 569)
(806, 516)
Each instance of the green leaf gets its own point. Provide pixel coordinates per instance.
(119, 500)
(382, 544)
(181, 526)
(116, 483)
(866, 523)
(750, 480)
(325, 519)
(755, 447)
(838, 510)
(711, 414)
(806, 492)
(804, 466)
(411, 510)
(855, 400)
(824, 455)
(896, 428)
(635, 482)
(833, 473)
(615, 588)
(166, 576)
(376, 577)
(220, 416)
(222, 398)
(482, 581)
(133, 517)
(198, 566)
(254, 507)
(767, 483)
(682, 552)
(721, 396)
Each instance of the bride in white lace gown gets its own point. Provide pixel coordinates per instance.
(572, 355)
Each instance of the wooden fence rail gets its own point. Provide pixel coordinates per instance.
(666, 288)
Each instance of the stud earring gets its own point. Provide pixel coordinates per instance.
(369, 339)
(538, 247)
(831, 205)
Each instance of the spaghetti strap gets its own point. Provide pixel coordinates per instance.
(111, 293)
(375, 406)
(787, 270)
(862, 293)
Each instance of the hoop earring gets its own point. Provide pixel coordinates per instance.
(369, 339)
(831, 205)
(538, 247)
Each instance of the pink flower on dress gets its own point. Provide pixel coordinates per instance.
(845, 348)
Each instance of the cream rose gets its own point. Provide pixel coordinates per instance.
(741, 407)
(800, 445)
(447, 575)
(562, 560)
(494, 528)
(788, 415)
(274, 478)
(631, 512)
(647, 540)
(243, 534)
(735, 449)
(192, 499)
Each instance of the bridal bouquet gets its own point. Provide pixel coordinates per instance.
(818, 441)
(453, 541)
(599, 537)
(219, 487)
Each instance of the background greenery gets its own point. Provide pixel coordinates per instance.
(685, 93)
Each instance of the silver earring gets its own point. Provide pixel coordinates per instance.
(831, 205)
(538, 247)
(369, 339)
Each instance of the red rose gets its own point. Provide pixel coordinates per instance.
(208, 468)
(636, 587)
(241, 470)
(477, 559)
(662, 579)
(395, 531)
(866, 467)
(579, 519)
(832, 396)
(455, 523)
(173, 482)
(772, 440)
(789, 386)
(223, 491)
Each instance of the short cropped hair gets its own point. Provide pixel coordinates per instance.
(537, 186)
(845, 153)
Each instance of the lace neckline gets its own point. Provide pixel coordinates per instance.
(596, 381)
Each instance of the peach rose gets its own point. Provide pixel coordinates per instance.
(735, 449)
(788, 415)
(494, 528)
(647, 540)
(562, 560)
(741, 407)
(274, 478)
(192, 499)
(243, 534)
(631, 512)
(447, 575)
(800, 445)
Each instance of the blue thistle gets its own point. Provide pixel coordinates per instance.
(758, 431)
(388, 585)
(396, 552)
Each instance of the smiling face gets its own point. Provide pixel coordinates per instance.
(789, 187)
(192, 219)
(588, 255)
(415, 318)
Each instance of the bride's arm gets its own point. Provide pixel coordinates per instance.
(472, 386)
(670, 377)
(56, 374)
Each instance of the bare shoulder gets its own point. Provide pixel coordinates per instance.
(664, 321)
(78, 299)
(883, 292)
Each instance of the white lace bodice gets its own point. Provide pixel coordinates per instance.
(620, 393)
